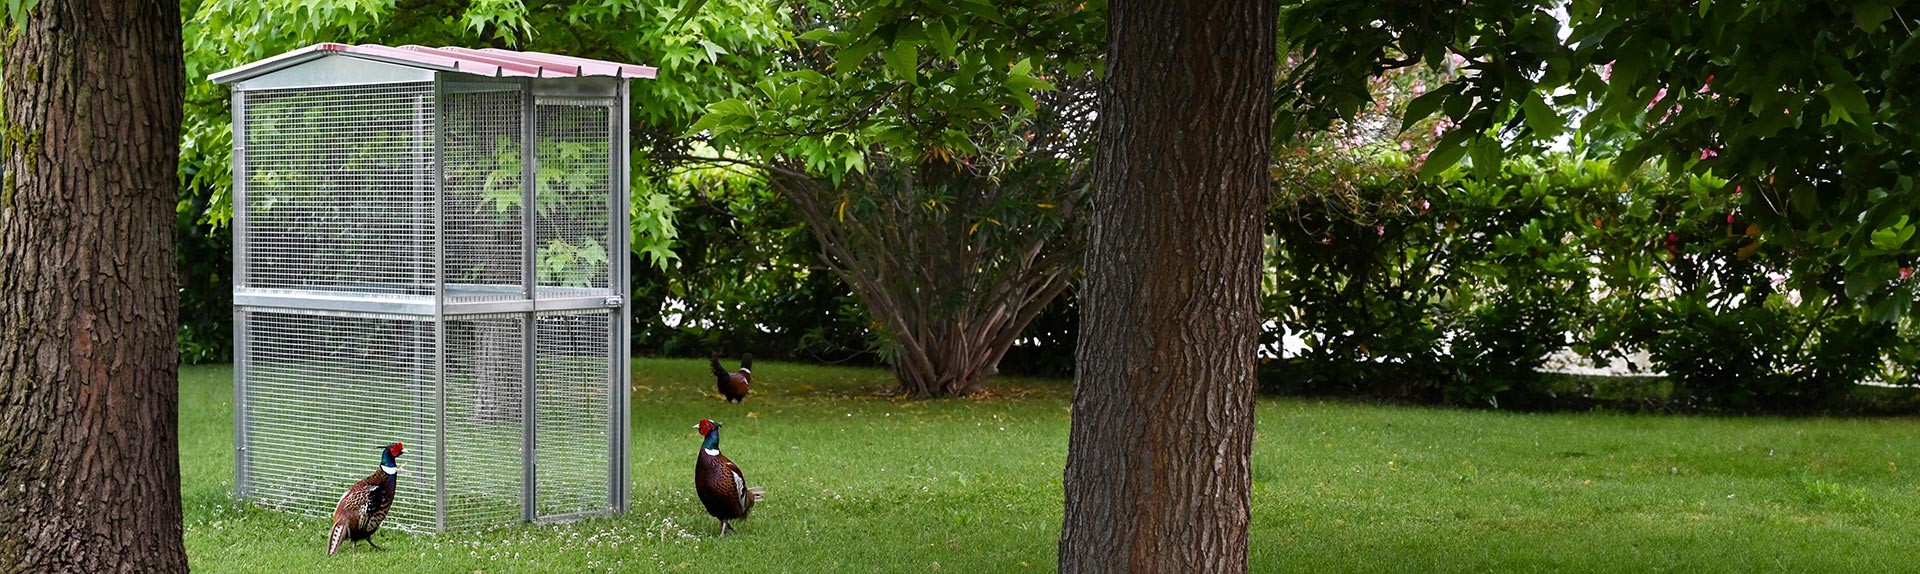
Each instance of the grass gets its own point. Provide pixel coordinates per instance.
(858, 483)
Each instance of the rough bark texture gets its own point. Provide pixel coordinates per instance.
(1157, 476)
(89, 450)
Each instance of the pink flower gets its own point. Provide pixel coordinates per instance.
(1729, 217)
(1404, 146)
(1381, 229)
(1906, 273)
(1736, 190)
(1709, 152)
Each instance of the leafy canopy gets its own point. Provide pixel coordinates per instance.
(1806, 109)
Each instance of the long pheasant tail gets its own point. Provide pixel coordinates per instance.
(754, 494)
(334, 538)
(714, 360)
(746, 361)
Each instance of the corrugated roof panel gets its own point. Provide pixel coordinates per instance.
(490, 62)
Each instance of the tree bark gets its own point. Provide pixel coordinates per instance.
(90, 465)
(1157, 476)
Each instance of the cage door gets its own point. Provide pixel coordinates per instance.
(574, 440)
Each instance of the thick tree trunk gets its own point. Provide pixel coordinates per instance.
(1157, 476)
(88, 388)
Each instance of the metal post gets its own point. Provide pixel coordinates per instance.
(439, 305)
(529, 417)
(623, 318)
(239, 273)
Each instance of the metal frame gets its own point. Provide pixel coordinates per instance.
(439, 307)
(530, 276)
(439, 304)
(621, 283)
(241, 464)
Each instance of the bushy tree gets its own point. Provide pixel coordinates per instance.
(911, 141)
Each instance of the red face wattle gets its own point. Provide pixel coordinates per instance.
(707, 426)
(396, 449)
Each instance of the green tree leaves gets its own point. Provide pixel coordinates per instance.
(1815, 125)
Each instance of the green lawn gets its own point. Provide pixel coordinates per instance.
(857, 483)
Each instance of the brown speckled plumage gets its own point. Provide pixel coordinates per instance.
(722, 487)
(364, 506)
(733, 385)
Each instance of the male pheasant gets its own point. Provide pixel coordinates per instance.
(732, 385)
(364, 506)
(723, 489)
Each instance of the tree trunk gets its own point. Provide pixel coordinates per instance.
(1157, 476)
(88, 388)
(950, 303)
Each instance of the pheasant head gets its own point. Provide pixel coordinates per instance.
(388, 456)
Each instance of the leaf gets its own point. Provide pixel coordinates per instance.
(17, 11)
(1596, 35)
(713, 50)
(1445, 154)
(1907, 53)
(1541, 118)
(1893, 237)
(1486, 155)
(1868, 16)
(904, 58)
(1845, 101)
(1890, 307)
(941, 39)
(686, 12)
(1426, 104)
(983, 10)
(850, 57)
(1629, 161)
(735, 106)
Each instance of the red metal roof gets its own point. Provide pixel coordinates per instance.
(491, 62)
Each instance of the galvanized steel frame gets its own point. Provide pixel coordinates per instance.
(614, 93)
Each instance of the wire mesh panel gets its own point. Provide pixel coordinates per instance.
(386, 249)
(574, 184)
(339, 189)
(485, 419)
(323, 392)
(485, 234)
(573, 450)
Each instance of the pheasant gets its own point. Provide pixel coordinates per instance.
(364, 506)
(723, 490)
(732, 385)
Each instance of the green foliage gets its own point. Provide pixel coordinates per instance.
(747, 277)
(862, 85)
(693, 72)
(1817, 128)
(1455, 289)
(702, 59)
(936, 167)
(206, 290)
